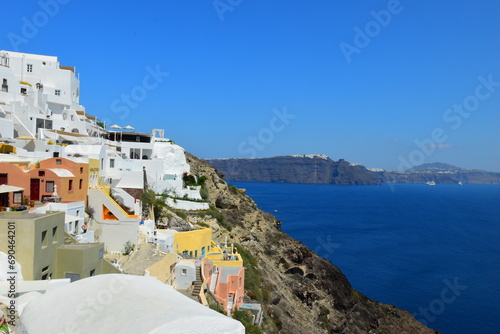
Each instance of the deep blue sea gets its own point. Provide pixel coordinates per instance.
(431, 250)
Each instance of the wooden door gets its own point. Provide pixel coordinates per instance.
(35, 189)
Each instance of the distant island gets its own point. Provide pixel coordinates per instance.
(318, 168)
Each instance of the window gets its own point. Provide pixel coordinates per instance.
(29, 68)
(49, 186)
(54, 235)
(80, 184)
(81, 170)
(18, 197)
(101, 253)
(72, 117)
(111, 163)
(184, 272)
(92, 272)
(41, 173)
(70, 185)
(23, 91)
(44, 239)
(58, 161)
(58, 92)
(5, 86)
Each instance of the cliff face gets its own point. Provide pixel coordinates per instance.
(300, 292)
(321, 169)
(294, 169)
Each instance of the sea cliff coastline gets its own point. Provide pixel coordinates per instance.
(322, 169)
(300, 291)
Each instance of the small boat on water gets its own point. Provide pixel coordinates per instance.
(460, 183)
(431, 183)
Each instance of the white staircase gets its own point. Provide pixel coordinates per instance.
(213, 282)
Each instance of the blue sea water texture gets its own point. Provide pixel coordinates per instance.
(431, 250)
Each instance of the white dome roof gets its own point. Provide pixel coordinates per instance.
(121, 304)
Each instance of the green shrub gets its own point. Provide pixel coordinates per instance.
(253, 277)
(234, 190)
(181, 214)
(245, 317)
(220, 218)
(201, 180)
(204, 192)
(128, 248)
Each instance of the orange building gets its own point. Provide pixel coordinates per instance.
(13, 175)
(226, 283)
(68, 178)
(71, 179)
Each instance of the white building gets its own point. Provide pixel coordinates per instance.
(40, 108)
(121, 304)
(38, 97)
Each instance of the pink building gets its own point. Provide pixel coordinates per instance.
(226, 283)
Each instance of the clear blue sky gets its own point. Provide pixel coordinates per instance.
(366, 97)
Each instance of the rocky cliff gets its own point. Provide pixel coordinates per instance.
(294, 169)
(321, 169)
(439, 173)
(300, 291)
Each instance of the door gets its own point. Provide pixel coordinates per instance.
(3, 179)
(4, 199)
(35, 189)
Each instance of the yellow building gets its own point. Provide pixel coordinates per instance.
(44, 250)
(224, 256)
(164, 269)
(194, 244)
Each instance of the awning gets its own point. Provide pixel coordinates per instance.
(65, 133)
(4, 188)
(61, 172)
(26, 137)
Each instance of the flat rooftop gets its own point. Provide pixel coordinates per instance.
(20, 215)
(25, 214)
